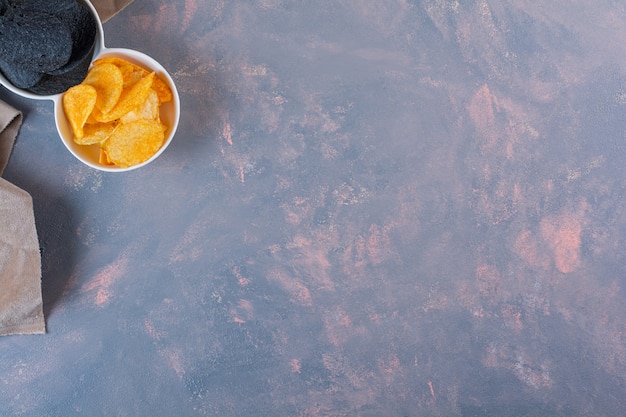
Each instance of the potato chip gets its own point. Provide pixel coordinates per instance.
(103, 158)
(131, 97)
(91, 120)
(130, 72)
(133, 77)
(108, 81)
(149, 109)
(78, 102)
(119, 62)
(95, 133)
(163, 90)
(135, 142)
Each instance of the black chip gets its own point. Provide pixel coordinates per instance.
(35, 41)
(83, 31)
(45, 45)
(20, 77)
(53, 84)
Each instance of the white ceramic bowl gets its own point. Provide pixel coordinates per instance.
(169, 112)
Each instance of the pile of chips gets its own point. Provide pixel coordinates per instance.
(45, 45)
(116, 107)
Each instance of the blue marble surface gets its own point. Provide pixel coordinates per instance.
(371, 208)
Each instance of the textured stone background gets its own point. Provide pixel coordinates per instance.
(372, 208)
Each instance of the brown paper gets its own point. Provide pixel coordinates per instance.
(21, 305)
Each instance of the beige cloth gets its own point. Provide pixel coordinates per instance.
(10, 122)
(109, 8)
(21, 305)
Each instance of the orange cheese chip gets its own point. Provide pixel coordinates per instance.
(119, 62)
(117, 108)
(130, 98)
(149, 109)
(163, 90)
(130, 72)
(95, 133)
(78, 102)
(135, 142)
(108, 81)
(103, 158)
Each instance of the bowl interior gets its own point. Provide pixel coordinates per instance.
(169, 112)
